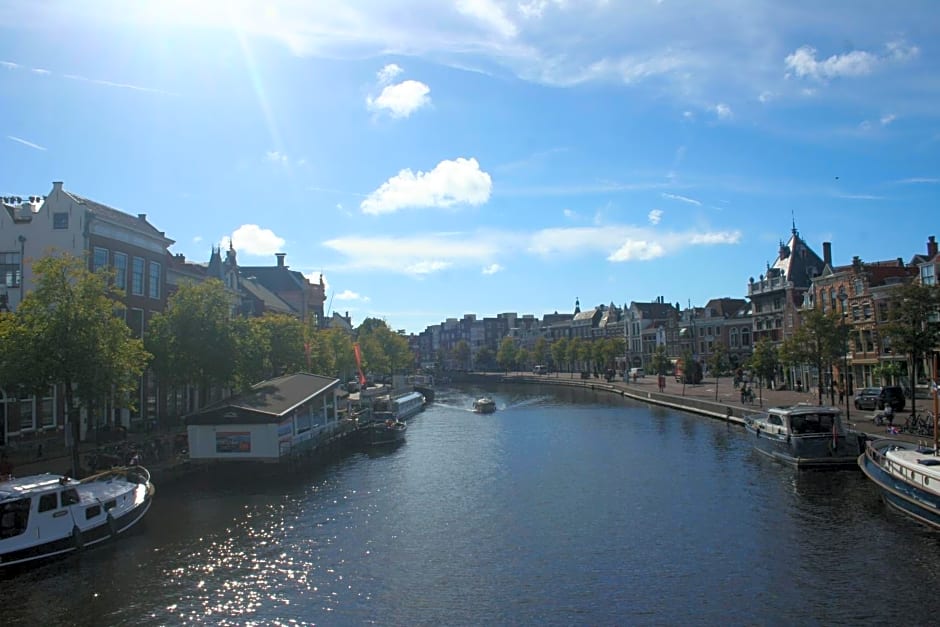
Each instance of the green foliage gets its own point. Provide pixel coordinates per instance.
(486, 360)
(914, 326)
(383, 350)
(659, 360)
(195, 340)
(523, 359)
(559, 349)
(462, 354)
(718, 362)
(506, 355)
(764, 360)
(819, 341)
(65, 331)
(540, 352)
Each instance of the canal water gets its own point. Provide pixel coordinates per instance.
(564, 507)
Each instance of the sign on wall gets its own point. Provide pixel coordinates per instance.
(233, 442)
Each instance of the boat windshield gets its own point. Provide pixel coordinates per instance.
(812, 423)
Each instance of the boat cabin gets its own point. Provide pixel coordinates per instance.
(802, 420)
(43, 500)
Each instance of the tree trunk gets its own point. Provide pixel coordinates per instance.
(75, 425)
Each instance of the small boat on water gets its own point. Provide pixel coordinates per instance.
(484, 405)
(45, 515)
(386, 431)
(908, 475)
(805, 436)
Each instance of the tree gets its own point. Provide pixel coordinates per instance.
(66, 332)
(573, 356)
(818, 341)
(659, 360)
(718, 362)
(462, 354)
(540, 351)
(383, 350)
(523, 358)
(559, 350)
(506, 355)
(486, 360)
(195, 341)
(764, 360)
(914, 326)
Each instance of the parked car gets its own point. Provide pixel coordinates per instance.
(893, 395)
(867, 398)
(637, 373)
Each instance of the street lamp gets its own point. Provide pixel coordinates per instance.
(845, 354)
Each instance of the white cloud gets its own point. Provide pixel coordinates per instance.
(723, 111)
(460, 181)
(26, 143)
(655, 216)
(41, 71)
(351, 295)
(803, 63)
(388, 73)
(623, 243)
(417, 255)
(766, 96)
(888, 119)
(637, 250)
(276, 157)
(570, 214)
(401, 99)
(490, 14)
(919, 180)
(493, 268)
(685, 199)
(9, 65)
(254, 240)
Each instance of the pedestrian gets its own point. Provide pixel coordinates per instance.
(841, 394)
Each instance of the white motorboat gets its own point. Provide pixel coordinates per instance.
(45, 515)
(908, 475)
(805, 436)
(484, 405)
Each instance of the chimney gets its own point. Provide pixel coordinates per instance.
(56, 186)
(141, 216)
(931, 247)
(280, 259)
(827, 253)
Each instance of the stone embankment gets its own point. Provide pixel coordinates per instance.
(701, 399)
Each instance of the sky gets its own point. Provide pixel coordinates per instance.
(446, 157)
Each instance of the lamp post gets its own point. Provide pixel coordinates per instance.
(845, 355)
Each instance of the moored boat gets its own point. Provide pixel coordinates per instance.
(805, 436)
(45, 515)
(386, 431)
(484, 405)
(908, 475)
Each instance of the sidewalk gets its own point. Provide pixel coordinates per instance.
(728, 396)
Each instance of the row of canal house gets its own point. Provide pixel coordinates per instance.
(797, 280)
(148, 272)
(859, 292)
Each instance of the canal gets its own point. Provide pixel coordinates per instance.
(566, 506)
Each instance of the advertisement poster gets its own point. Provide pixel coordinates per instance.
(233, 442)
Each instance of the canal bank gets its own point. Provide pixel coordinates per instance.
(700, 399)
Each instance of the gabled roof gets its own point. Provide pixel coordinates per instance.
(272, 302)
(135, 223)
(797, 262)
(725, 307)
(654, 310)
(275, 278)
(268, 401)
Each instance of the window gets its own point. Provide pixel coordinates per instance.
(859, 286)
(48, 502)
(867, 310)
(60, 220)
(882, 312)
(137, 277)
(92, 511)
(120, 270)
(154, 282)
(928, 275)
(99, 259)
(10, 269)
(70, 497)
(856, 313)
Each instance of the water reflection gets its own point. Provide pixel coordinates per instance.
(563, 507)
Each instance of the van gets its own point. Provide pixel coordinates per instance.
(637, 373)
(892, 395)
(540, 369)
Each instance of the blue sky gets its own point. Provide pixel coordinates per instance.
(436, 158)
